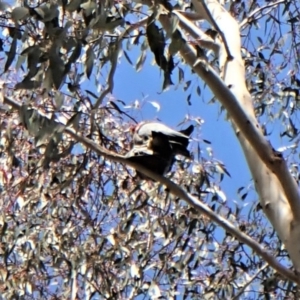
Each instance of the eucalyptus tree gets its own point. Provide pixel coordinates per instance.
(76, 220)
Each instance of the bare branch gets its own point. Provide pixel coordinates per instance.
(114, 61)
(190, 16)
(73, 283)
(241, 291)
(110, 80)
(216, 26)
(258, 10)
(201, 38)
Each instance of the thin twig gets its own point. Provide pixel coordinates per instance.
(250, 17)
(114, 61)
(241, 291)
(73, 284)
(110, 80)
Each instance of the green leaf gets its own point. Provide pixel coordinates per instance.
(11, 54)
(175, 46)
(188, 99)
(180, 75)
(89, 62)
(27, 84)
(48, 80)
(73, 5)
(57, 68)
(4, 6)
(127, 57)
(59, 100)
(88, 7)
(140, 61)
(260, 40)
(74, 56)
(187, 85)
(19, 13)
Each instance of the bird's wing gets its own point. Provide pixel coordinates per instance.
(146, 127)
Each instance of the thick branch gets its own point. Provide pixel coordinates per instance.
(179, 192)
(201, 38)
(110, 80)
(279, 194)
(248, 126)
(216, 26)
(241, 110)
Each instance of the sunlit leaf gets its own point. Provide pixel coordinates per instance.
(140, 61)
(155, 104)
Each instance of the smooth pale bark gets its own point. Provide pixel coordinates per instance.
(277, 189)
(278, 193)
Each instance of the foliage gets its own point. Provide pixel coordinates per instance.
(74, 223)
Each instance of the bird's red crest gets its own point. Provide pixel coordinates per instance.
(136, 128)
(132, 129)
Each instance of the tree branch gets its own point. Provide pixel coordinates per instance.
(248, 126)
(216, 26)
(243, 116)
(241, 291)
(203, 39)
(250, 17)
(279, 194)
(178, 192)
(114, 61)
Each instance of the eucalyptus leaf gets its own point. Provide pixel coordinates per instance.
(175, 46)
(140, 61)
(4, 6)
(180, 75)
(19, 13)
(59, 100)
(73, 5)
(198, 90)
(21, 60)
(88, 7)
(50, 12)
(28, 84)
(89, 62)
(76, 52)
(127, 57)
(11, 54)
(57, 68)
(48, 80)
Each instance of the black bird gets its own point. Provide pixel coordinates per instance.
(159, 163)
(161, 138)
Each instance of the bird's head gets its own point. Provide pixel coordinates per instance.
(136, 127)
(132, 129)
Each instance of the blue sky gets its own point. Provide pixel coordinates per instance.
(130, 85)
